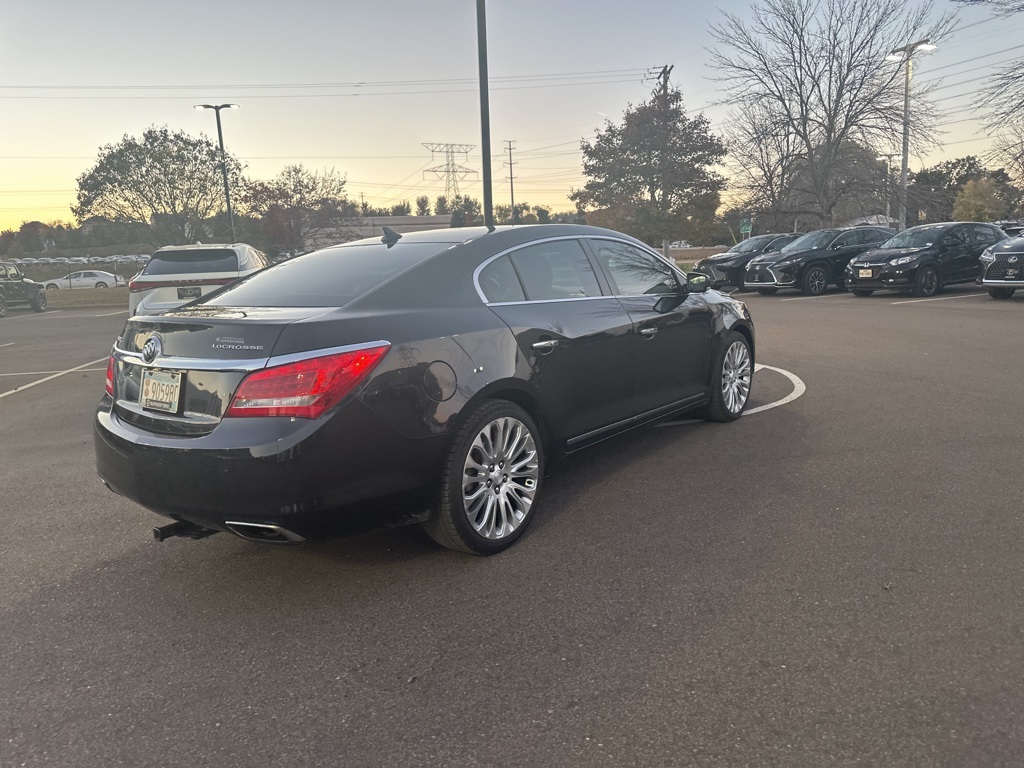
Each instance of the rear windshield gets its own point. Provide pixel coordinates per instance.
(201, 260)
(329, 278)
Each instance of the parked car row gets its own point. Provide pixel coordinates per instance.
(919, 260)
(44, 260)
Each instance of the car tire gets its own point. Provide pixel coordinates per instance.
(767, 291)
(1001, 293)
(733, 375)
(52, 287)
(480, 509)
(927, 282)
(39, 302)
(100, 284)
(3, 306)
(815, 281)
(862, 291)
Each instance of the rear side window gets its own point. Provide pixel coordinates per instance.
(985, 235)
(329, 278)
(556, 270)
(192, 261)
(957, 236)
(499, 283)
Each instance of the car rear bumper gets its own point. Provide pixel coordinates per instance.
(298, 474)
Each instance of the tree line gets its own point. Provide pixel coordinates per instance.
(817, 111)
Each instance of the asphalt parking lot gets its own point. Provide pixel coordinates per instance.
(835, 580)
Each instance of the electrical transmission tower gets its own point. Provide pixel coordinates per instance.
(452, 171)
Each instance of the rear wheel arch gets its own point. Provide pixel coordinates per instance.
(528, 401)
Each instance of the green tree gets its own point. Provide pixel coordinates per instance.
(422, 205)
(441, 207)
(653, 172)
(168, 181)
(402, 209)
(980, 201)
(299, 205)
(466, 212)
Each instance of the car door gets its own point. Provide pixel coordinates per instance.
(955, 258)
(671, 329)
(16, 288)
(576, 339)
(848, 246)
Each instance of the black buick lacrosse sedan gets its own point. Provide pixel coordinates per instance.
(437, 372)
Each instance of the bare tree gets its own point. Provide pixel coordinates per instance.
(819, 69)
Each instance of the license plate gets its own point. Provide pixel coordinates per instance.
(1012, 273)
(161, 390)
(863, 273)
(192, 292)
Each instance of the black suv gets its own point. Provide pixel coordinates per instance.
(728, 268)
(923, 259)
(16, 289)
(1002, 268)
(814, 261)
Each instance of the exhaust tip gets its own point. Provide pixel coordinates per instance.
(263, 532)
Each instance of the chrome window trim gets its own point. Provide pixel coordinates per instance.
(673, 267)
(228, 366)
(480, 267)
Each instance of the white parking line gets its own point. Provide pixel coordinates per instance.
(941, 298)
(44, 373)
(824, 296)
(54, 376)
(8, 344)
(798, 390)
(37, 314)
(110, 314)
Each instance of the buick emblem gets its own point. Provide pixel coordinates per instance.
(152, 349)
(1012, 259)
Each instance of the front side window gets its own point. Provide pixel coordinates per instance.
(847, 238)
(555, 270)
(985, 235)
(634, 272)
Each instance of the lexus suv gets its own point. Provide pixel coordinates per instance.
(728, 268)
(1002, 268)
(18, 290)
(178, 274)
(814, 261)
(923, 259)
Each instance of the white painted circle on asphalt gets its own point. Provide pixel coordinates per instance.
(798, 389)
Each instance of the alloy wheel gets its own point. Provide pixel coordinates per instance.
(500, 477)
(736, 373)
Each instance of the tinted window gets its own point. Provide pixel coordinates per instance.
(752, 244)
(328, 278)
(634, 272)
(957, 236)
(812, 240)
(498, 281)
(3, 271)
(779, 242)
(876, 235)
(201, 260)
(918, 237)
(848, 238)
(986, 235)
(555, 270)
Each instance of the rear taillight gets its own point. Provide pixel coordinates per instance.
(109, 384)
(305, 389)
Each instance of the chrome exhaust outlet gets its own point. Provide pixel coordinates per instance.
(262, 532)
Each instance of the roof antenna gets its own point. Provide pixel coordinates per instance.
(390, 236)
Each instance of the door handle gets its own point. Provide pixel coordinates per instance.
(547, 345)
(648, 332)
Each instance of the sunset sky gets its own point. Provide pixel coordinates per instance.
(358, 87)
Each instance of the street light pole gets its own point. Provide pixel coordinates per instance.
(888, 163)
(905, 55)
(223, 159)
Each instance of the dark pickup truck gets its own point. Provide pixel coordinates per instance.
(18, 290)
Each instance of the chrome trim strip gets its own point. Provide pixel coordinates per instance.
(1003, 283)
(640, 418)
(547, 301)
(226, 366)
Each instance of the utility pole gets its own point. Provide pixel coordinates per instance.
(512, 185)
(485, 110)
(888, 165)
(663, 78)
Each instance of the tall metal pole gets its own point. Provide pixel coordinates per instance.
(223, 159)
(906, 143)
(512, 185)
(485, 111)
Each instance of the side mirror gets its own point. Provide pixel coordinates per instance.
(697, 283)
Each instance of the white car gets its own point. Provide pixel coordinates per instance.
(87, 279)
(178, 274)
